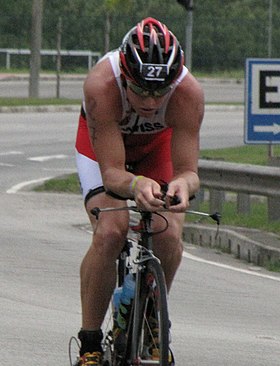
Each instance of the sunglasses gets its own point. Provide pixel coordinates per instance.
(148, 93)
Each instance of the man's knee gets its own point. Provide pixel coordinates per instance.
(111, 233)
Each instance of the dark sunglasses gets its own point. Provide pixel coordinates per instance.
(147, 93)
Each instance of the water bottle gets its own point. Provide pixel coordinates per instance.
(117, 298)
(126, 297)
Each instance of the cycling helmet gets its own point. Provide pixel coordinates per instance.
(150, 55)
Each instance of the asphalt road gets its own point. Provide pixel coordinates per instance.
(216, 91)
(223, 312)
(40, 145)
(220, 315)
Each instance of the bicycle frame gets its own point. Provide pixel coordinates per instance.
(143, 261)
(145, 255)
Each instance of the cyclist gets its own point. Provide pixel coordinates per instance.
(138, 127)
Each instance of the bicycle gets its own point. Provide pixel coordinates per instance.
(149, 304)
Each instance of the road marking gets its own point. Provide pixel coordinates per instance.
(225, 266)
(21, 185)
(59, 170)
(8, 165)
(47, 158)
(11, 153)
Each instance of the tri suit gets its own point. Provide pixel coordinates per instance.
(147, 140)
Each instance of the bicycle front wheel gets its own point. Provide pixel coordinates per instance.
(150, 334)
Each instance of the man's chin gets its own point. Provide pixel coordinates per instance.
(146, 112)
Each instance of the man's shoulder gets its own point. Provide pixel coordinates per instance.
(187, 90)
(101, 77)
(186, 102)
(190, 83)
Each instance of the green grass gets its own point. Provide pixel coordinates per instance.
(273, 266)
(257, 218)
(17, 102)
(227, 74)
(66, 184)
(248, 154)
(81, 70)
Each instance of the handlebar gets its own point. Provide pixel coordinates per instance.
(216, 216)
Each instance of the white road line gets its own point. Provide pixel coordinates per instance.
(21, 185)
(8, 165)
(11, 153)
(225, 266)
(47, 158)
(61, 170)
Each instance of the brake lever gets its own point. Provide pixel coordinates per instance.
(95, 212)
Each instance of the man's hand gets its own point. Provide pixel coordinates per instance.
(147, 194)
(177, 188)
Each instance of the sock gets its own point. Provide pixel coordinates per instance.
(90, 341)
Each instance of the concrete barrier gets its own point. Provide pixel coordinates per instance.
(233, 242)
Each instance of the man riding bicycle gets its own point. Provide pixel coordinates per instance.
(139, 127)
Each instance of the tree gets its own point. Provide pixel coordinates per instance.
(224, 32)
(187, 4)
(36, 41)
(111, 7)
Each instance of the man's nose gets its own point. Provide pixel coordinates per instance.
(151, 102)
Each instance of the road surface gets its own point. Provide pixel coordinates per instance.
(223, 312)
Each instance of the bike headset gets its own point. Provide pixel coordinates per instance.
(151, 58)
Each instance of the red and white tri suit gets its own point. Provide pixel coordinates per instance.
(146, 140)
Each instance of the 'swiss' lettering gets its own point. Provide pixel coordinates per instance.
(145, 127)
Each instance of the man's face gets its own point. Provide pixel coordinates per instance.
(144, 106)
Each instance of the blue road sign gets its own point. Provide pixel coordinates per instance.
(262, 101)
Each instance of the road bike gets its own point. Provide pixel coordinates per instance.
(145, 338)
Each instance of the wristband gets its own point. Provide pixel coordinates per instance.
(134, 181)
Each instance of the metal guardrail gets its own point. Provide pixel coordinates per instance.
(13, 51)
(245, 180)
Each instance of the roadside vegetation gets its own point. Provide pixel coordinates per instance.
(246, 155)
(18, 102)
(64, 184)
(225, 33)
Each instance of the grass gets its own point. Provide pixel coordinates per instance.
(273, 266)
(67, 184)
(16, 102)
(227, 74)
(81, 70)
(257, 218)
(247, 154)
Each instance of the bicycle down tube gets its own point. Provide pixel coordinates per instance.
(150, 299)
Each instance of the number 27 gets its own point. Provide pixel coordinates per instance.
(154, 71)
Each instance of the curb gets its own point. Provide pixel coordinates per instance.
(231, 242)
(76, 108)
(40, 109)
(45, 77)
(81, 77)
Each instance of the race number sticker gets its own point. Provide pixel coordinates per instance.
(156, 72)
